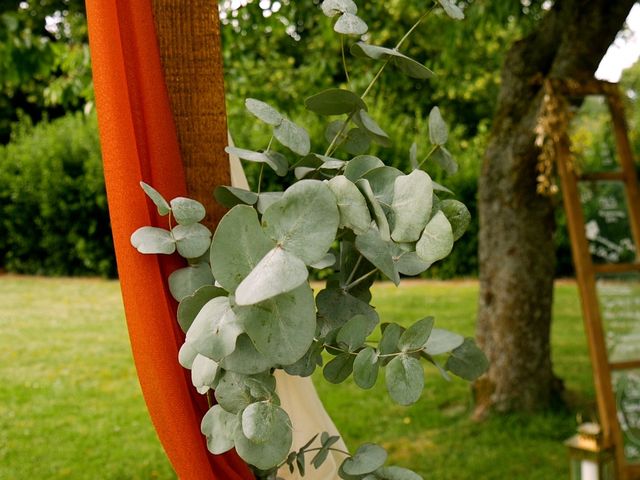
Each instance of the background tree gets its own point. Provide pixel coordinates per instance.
(517, 253)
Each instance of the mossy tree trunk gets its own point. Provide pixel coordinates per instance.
(517, 258)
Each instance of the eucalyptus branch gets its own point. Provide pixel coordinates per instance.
(431, 152)
(360, 280)
(260, 178)
(344, 59)
(353, 272)
(334, 143)
(269, 145)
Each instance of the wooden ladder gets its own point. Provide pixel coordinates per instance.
(586, 270)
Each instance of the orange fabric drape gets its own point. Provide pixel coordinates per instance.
(139, 142)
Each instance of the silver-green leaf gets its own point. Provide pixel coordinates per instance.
(278, 272)
(458, 216)
(415, 337)
(192, 241)
(411, 206)
(293, 137)
(354, 213)
(438, 131)
(239, 243)
(263, 111)
(191, 305)
(153, 240)
(368, 458)
(215, 329)
(405, 379)
(334, 101)
(185, 281)
(442, 341)
(350, 24)
(331, 8)
(187, 211)
(219, 426)
(452, 9)
(436, 241)
(268, 454)
(156, 198)
(304, 222)
(365, 368)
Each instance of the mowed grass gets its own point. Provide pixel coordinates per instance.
(71, 407)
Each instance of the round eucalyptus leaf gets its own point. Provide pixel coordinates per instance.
(246, 359)
(378, 252)
(368, 458)
(336, 307)
(365, 368)
(269, 454)
(458, 216)
(262, 421)
(335, 101)
(263, 111)
(350, 24)
(203, 373)
(382, 181)
(331, 8)
(215, 329)
(352, 205)
(193, 240)
(453, 11)
(409, 263)
(445, 160)
(357, 141)
(338, 369)
(375, 208)
(306, 365)
(191, 305)
(281, 328)
(275, 160)
(187, 211)
(390, 339)
(405, 379)
(436, 241)
(396, 473)
(304, 222)
(278, 272)
(354, 333)
(442, 341)
(239, 243)
(441, 188)
(327, 261)
(219, 427)
(153, 240)
(232, 196)
(415, 337)
(186, 355)
(232, 392)
(358, 166)
(438, 131)
(293, 137)
(411, 67)
(185, 281)
(156, 198)
(411, 205)
(467, 361)
(364, 121)
(266, 199)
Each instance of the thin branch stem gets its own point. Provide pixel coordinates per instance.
(415, 25)
(260, 178)
(431, 152)
(360, 280)
(344, 59)
(353, 272)
(334, 143)
(270, 142)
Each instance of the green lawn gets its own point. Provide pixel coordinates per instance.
(70, 404)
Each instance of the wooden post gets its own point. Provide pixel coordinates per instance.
(189, 40)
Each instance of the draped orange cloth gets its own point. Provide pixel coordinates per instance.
(139, 142)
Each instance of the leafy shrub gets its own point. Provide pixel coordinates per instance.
(53, 206)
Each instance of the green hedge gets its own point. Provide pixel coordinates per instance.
(53, 207)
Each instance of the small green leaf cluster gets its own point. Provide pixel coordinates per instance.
(245, 300)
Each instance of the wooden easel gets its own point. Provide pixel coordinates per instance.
(586, 269)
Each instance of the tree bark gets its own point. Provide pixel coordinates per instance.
(516, 252)
(190, 49)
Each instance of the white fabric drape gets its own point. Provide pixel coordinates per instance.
(298, 396)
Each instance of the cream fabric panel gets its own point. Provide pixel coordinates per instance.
(298, 396)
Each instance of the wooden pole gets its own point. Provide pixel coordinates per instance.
(189, 40)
